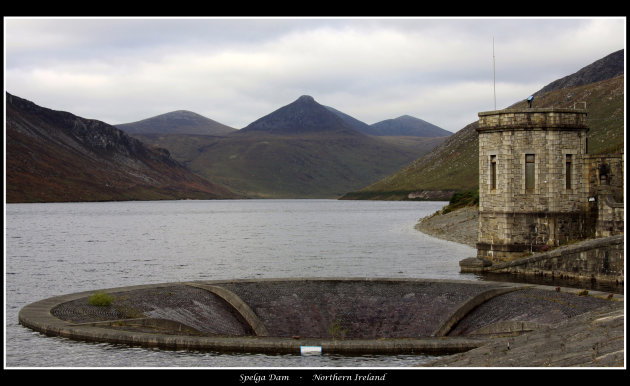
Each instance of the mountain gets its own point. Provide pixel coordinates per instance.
(301, 150)
(408, 126)
(404, 126)
(454, 165)
(177, 122)
(55, 156)
(611, 66)
(356, 124)
(304, 116)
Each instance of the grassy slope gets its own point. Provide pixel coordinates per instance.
(454, 165)
(304, 166)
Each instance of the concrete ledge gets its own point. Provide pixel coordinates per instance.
(149, 323)
(508, 327)
(474, 264)
(531, 265)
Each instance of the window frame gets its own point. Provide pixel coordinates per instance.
(493, 172)
(530, 172)
(568, 171)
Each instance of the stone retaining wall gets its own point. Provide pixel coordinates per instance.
(599, 259)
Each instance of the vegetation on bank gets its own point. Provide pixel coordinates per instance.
(397, 195)
(462, 199)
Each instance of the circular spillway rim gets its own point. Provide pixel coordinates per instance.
(37, 316)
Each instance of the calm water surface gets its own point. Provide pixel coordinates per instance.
(61, 248)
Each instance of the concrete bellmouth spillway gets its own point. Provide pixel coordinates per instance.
(340, 315)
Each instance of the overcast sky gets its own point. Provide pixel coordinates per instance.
(121, 70)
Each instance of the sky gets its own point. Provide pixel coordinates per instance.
(237, 70)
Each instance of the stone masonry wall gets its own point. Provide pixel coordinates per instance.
(527, 118)
(513, 235)
(615, 179)
(599, 259)
(607, 193)
(511, 216)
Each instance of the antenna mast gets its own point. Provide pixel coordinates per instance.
(494, 78)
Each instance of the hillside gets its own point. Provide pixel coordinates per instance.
(301, 150)
(177, 122)
(450, 167)
(605, 105)
(55, 156)
(610, 66)
(454, 164)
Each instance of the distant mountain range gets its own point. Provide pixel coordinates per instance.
(55, 156)
(188, 122)
(301, 150)
(177, 122)
(454, 165)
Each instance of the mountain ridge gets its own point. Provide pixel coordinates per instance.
(301, 150)
(303, 116)
(177, 122)
(608, 67)
(56, 156)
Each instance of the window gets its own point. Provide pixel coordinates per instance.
(586, 146)
(568, 170)
(530, 171)
(493, 172)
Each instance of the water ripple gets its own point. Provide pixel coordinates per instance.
(55, 249)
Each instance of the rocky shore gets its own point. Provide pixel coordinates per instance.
(459, 226)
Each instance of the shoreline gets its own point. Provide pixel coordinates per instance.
(459, 226)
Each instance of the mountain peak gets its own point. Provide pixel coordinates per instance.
(303, 116)
(408, 125)
(177, 122)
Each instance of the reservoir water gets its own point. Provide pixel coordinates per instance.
(60, 248)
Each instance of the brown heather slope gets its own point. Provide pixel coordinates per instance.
(54, 156)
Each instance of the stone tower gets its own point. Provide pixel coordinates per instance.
(533, 188)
